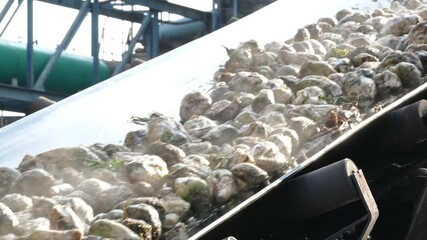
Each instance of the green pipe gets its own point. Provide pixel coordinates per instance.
(70, 74)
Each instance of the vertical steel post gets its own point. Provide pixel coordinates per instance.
(235, 8)
(5, 9)
(144, 24)
(95, 40)
(1, 119)
(216, 14)
(154, 33)
(147, 40)
(30, 65)
(64, 44)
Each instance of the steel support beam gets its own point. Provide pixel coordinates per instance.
(105, 9)
(152, 36)
(133, 42)
(161, 5)
(5, 9)
(30, 47)
(235, 7)
(64, 44)
(17, 99)
(95, 40)
(131, 16)
(13, 15)
(216, 14)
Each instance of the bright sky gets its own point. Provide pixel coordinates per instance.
(51, 23)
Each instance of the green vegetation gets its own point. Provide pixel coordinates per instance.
(114, 165)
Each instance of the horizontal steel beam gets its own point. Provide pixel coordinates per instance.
(165, 6)
(105, 9)
(18, 99)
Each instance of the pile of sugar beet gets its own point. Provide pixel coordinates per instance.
(269, 108)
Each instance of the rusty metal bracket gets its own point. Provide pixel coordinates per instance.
(366, 197)
(368, 201)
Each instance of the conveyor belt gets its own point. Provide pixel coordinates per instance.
(101, 113)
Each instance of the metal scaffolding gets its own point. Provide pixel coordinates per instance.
(148, 35)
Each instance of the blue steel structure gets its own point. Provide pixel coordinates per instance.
(39, 85)
(95, 40)
(30, 49)
(5, 10)
(148, 34)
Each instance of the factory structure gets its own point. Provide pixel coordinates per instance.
(33, 77)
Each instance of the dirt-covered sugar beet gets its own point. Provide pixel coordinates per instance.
(269, 108)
